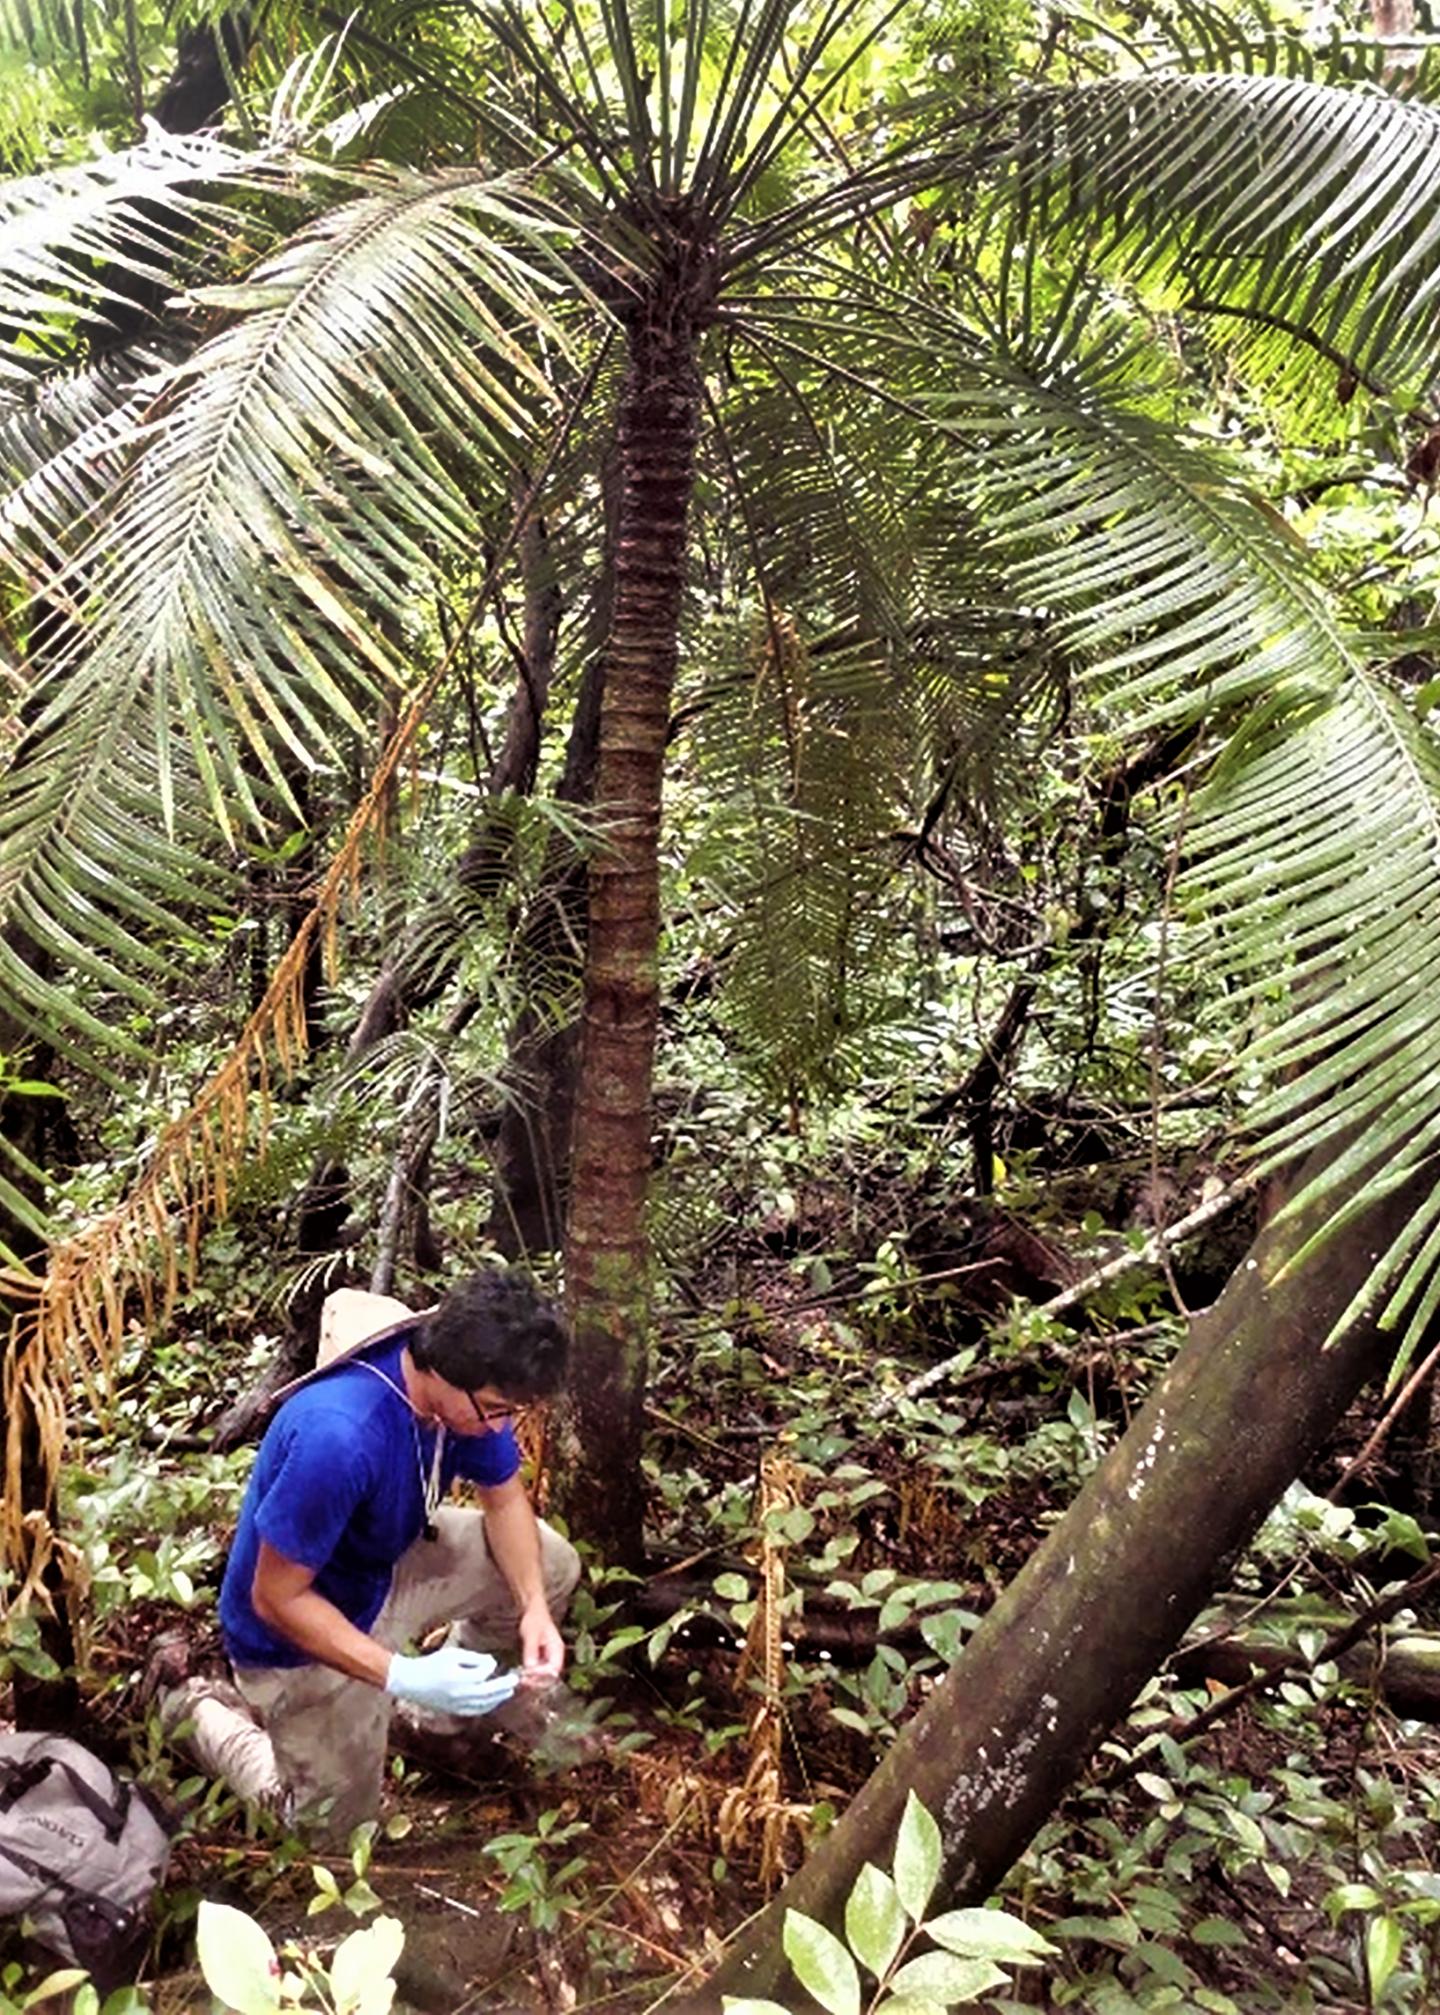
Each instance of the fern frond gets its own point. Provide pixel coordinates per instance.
(1308, 210)
(282, 501)
(882, 665)
(137, 212)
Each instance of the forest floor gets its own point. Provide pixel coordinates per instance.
(646, 1910)
(721, 1733)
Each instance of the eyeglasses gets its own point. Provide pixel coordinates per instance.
(496, 1416)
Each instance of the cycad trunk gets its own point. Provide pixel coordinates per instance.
(607, 1254)
(1107, 1597)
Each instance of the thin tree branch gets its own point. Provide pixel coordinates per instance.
(1346, 366)
(1402, 1399)
(1186, 1730)
(1125, 1262)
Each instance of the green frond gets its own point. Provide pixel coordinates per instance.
(1137, 549)
(1316, 841)
(45, 29)
(17, 1199)
(98, 908)
(1308, 212)
(424, 83)
(72, 1317)
(786, 753)
(862, 529)
(67, 236)
(62, 448)
(1200, 35)
(32, 101)
(884, 667)
(1319, 854)
(295, 480)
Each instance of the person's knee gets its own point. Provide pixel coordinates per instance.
(329, 1734)
(560, 1565)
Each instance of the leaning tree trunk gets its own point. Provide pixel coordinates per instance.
(607, 1255)
(1106, 1598)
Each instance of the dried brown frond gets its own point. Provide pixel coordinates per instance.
(758, 1805)
(69, 1322)
(742, 1818)
(675, 1793)
(778, 1828)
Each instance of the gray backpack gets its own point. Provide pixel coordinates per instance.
(80, 1853)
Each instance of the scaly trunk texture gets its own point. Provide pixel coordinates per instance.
(1106, 1598)
(532, 1148)
(607, 1255)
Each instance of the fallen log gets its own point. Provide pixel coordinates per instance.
(827, 1623)
(1398, 1661)
(1401, 1664)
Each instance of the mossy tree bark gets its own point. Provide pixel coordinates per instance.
(1107, 1596)
(607, 1256)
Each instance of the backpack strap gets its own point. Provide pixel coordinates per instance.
(21, 1778)
(110, 1812)
(114, 1915)
(37, 1870)
(18, 1776)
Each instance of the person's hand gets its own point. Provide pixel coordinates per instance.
(451, 1680)
(542, 1648)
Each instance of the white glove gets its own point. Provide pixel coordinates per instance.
(451, 1680)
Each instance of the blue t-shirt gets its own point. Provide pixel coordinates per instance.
(339, 1486)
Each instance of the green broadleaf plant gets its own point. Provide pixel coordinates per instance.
(246, 1974)
(884, 1923)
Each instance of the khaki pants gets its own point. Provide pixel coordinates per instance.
(309, 1742)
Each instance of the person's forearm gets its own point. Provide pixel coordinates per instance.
(513, 1537)
(316, 1627)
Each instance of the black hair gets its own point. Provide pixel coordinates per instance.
(496, 1329)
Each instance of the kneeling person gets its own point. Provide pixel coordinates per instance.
(344, 1553)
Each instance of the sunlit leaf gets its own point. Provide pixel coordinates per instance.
(238, 1961)
(917, 1858)
(822, 1965)
(988, 1934)
(874, 1920)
